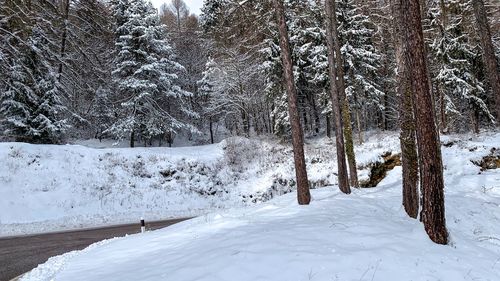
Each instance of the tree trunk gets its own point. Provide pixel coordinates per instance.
(356, 109)
(429, 151)
(360, 131)
(474, 114)
(211, 131)
(344, 103)
(303, 195)
(317, 122)
(65, 9)
(328, 125)
(488, 52)
(444, 123)
(409, 156)
(331, 25)
(132, 138)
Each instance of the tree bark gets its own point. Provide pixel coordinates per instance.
(444, 123)
(346, 113)
(334, 95)
(356, 109)
(409, 156)
(429, 151)
(303, 195)
(211, 130)
(488, 52)
(132, 138)
(328, 117)
(64, 37)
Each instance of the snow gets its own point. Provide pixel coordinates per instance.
(362, 236)
(50, 187)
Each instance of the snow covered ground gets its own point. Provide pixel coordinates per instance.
(55, 187)
(362, 236)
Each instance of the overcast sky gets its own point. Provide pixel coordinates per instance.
(194, 5)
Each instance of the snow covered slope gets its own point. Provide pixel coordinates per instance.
(48, 187)
(362, 236)
(55, 187)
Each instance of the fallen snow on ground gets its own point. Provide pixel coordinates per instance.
(51, 187)
(362, 236)
(56, 187)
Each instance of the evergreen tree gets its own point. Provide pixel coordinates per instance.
(152, 103)
(461, 89)
(32, 99)
(308, 49)
(362, 60)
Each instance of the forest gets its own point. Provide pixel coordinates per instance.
(122, 69)
(295, 69)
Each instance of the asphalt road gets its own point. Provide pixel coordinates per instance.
(22, 253)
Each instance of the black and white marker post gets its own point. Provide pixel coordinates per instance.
(143, 225)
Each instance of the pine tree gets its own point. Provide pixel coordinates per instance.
(361, 60)
(429, 151)
(461, 88)
(32, 101)
(152, 103)
(208, 90)
(331, 25)
(308, 50)
(303, 194)
(488, 52)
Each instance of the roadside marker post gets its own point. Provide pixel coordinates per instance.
(143, 226)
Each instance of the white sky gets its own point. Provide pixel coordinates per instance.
(194, 5)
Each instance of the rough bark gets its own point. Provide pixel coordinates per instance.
(334, 95)
(488, 51)
(429, 151)
(344, 105)
(409, 158)
(303, 195)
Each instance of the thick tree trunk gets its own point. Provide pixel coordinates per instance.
(344, 103)
(409, 156)
(339, 134)
(429, 151)
(303, 195)
(488, 52)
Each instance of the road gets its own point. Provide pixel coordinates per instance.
(22, 253)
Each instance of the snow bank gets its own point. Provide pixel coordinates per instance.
(362, 236)
(48, 187)
(51, 187)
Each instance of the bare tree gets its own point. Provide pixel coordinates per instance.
(303, 195)
(429, 152)
(339, 134)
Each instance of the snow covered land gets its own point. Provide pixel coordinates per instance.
(362, 236)
(53, 187)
